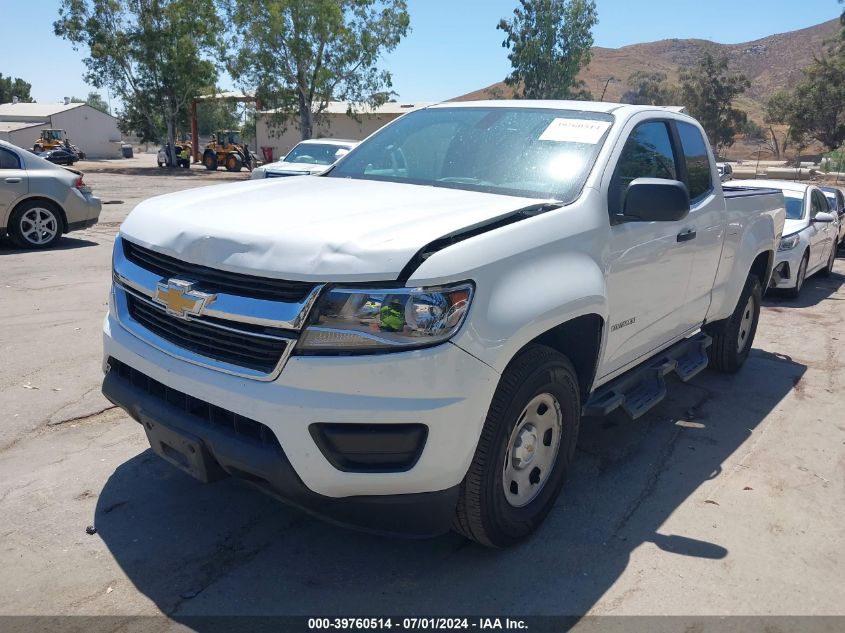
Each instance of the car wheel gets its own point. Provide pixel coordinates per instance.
(800, 277)
(35, 224)
(732, 337)
(526, 446)
(827, 270)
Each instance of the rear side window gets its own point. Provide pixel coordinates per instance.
(698, 162)
(8, 160)
(647, 154)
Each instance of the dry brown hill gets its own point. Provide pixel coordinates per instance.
(771, 63)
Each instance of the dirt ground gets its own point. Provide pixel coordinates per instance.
(727, 499)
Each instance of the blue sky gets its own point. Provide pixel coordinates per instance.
(454, 46)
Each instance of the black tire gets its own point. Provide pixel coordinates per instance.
(828, 270)
(483, 513)
(800, 277)
(209, 159)
(234, 162)
(733, 337)
(21, 228)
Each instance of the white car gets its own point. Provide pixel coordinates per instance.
(307, 158)
(810, 235)
(836, 200)
(407, 342)
(725, 171)
(39, 201)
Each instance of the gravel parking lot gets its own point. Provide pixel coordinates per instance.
(728, 499)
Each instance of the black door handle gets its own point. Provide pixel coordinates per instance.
(687, 235)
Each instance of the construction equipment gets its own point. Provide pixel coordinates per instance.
(55, 139)
(225, 148)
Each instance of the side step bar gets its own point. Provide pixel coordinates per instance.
(643, 387)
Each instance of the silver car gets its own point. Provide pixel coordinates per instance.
(40, 201)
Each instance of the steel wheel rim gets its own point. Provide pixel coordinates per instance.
(532, 450)
(39, 225)
(745, 325)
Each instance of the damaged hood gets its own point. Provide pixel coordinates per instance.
(310, 229)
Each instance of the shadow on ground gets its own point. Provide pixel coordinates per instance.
(64, 244)
(816, 289)
(225, 549)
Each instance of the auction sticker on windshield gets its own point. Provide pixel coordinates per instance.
(575, 131)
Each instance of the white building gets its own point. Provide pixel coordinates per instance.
(337, 123)
(92, 131)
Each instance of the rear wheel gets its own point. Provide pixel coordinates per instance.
(526, 446)
(209, 159)
(732, 337)
(233, 162)
(35, 225)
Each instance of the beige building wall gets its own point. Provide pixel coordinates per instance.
(92, 131)
(335, 126)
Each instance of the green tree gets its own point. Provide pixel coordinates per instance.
(216, 115)
(779, 112)
(708, 91)
(298, 55)
(549, 43)
(95, 100)
(150, 53)
(649, 89)
(818, 107)
(10, 88)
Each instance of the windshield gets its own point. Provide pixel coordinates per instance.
(316, 153)
(794, 205)
(532, 152)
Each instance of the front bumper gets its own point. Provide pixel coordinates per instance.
(443, 388)
(786, 267)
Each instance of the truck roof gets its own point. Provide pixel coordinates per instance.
(584, 106)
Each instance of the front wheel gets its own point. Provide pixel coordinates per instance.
(828, 270)
(732, 337)
(800, 276)
(526, 446)
(209, 159)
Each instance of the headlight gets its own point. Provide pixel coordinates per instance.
(394, 319)
(789, 242)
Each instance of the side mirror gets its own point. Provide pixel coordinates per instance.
(655, 199)
(824, 218)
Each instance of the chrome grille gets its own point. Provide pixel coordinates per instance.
(229, 344)
(217, 280)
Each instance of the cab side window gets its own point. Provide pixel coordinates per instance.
(8, 160)
(699, 176)
(647, 153)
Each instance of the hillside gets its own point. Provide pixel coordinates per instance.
(771, 63)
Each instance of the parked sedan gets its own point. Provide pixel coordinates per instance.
(59, 157)
(809, 237)
(39, 201)
(836, 200)
(307, 158)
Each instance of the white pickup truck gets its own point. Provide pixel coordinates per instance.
(408, 342)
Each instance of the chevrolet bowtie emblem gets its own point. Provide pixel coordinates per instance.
(180, 299)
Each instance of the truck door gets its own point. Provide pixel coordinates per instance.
(647, 266)
(705, 224)
(13, 183)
